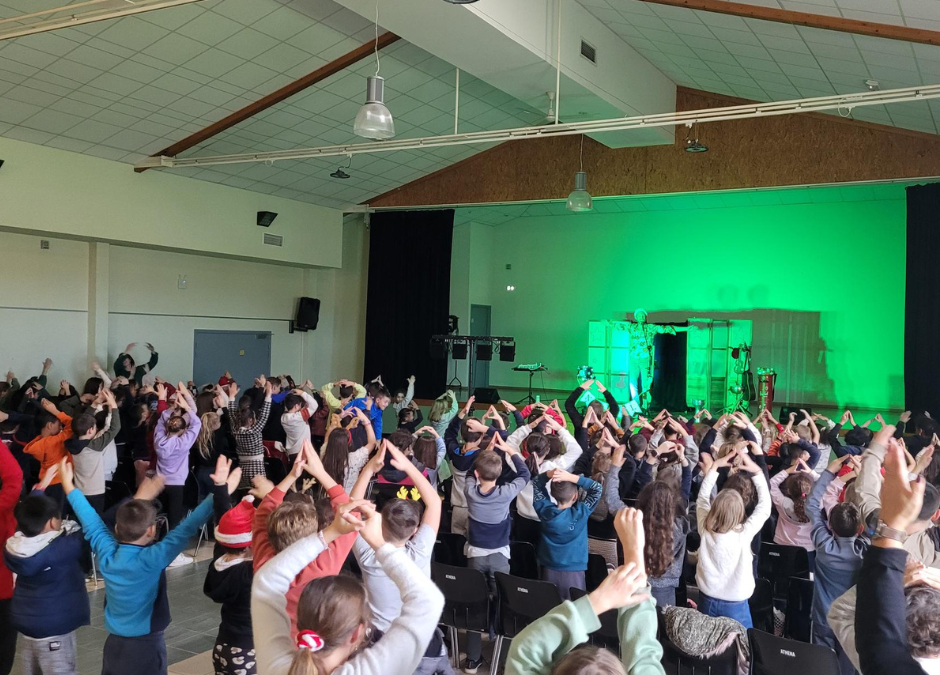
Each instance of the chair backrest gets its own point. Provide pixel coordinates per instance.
(777, 563)
(798, 622)
(596, 571)
(466, 596)
(761, 603)
(116, 491)
(607, 635)
(522, 560)
(455, 544)
(522, 601)
(771, 655)
(677, 662)
(274, 469)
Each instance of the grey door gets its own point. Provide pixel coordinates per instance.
(480, 325)
(245, 354)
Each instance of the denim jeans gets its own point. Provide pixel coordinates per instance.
(739, 611)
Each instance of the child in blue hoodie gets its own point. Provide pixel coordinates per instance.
(563, 547)
(49, 600)
(136, 608)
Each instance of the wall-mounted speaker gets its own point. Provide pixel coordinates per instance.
(308, 314)
(265, 218)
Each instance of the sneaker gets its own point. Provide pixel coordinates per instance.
(472, 666)
(180, 560)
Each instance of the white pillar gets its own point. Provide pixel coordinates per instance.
(99, 303)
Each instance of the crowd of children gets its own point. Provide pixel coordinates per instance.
(312, 577)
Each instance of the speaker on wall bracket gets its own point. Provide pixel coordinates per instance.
(308, 314)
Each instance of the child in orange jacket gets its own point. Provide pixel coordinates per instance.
(49, 447)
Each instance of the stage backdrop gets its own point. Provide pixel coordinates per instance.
(921, 356)
(408, 298)
(819, 271)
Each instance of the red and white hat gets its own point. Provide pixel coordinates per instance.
(234, 528)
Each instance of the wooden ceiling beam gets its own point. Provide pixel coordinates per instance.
(282, 94)
(836, 23)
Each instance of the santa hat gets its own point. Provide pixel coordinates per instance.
(225, 381)
(234, 528)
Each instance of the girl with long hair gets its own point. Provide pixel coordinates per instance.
(333, 612)
(247, 425)
(430, 450)
(443, 410)
(340, 460)
(789, 491)
(666, 526)
(725, 574)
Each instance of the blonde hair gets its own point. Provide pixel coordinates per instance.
(726, 513)
(204, 440)
(333, 607)
(292, 521)
(441, 405)
(589, 661)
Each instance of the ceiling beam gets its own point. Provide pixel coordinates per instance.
(282, 94)
(836, 23)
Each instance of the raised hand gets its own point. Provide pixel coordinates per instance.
(371, 531)
(901, 499)
(49, 406)
(260, 487)
(629, 525)
(507, 406)
(51, 473)
(66, 474)
(150, 488)
(347, 520)
(377, 463)
(619, 589)
(468, 406)
(222, 467)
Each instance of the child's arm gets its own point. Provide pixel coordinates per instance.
(685, 488)
(612, 491)
(594, 491)
(761, 512)
(522, 476)
(820, 532)
(573, 450)
(541, 502)
(776, 496)
(432, 502)
(704, 503)
(326, 391)
(544, 641)
(841, 620)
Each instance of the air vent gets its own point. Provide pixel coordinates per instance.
(273, 239)
(588, 52)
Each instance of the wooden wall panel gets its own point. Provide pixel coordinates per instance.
(766, 152)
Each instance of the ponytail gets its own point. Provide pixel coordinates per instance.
(532, 464)
(306, 662)
(329, 611)
(797, 487)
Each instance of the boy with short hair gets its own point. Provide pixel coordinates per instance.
(136, 610)
(563, 546)
(87, 449)
(49, 600)
(299, 407)
(839, 554)
(49, 447)
(489, 522)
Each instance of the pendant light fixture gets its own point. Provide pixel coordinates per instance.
(374, 120)
(580, 199)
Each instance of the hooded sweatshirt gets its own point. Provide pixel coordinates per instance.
(50, 596)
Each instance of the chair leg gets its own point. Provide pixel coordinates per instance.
(203, 534)
(497, 648)
(94, 569)
(454, 648)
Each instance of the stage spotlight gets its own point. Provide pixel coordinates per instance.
(507, 352)
(459, 351)
(484, 351)
(438, 349)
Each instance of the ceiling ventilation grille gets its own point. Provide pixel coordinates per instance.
(588, 52)
(273, 239)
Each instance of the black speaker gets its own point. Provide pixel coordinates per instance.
(507, 352)
(459, 351)
(486, 395)
(786, 410)
(308, 314)
(484, 351)
(265, 218)
(438, 349)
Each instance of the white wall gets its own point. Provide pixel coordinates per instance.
(45, 190)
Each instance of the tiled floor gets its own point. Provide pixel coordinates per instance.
(191, 633)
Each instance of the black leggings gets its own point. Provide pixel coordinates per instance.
(7, 639)
(173, 498)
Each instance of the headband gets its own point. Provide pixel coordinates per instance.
(308, 639)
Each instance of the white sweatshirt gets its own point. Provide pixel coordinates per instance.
(725, 563)
(296, 427)
(566, 461)
(397, 653)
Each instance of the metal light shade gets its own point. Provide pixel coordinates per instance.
(580, 199)
(374, 120)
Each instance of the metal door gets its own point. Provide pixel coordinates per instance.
(245, 354)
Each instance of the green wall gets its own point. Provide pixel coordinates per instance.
(820, 271)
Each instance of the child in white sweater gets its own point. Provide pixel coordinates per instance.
(333, 612)
(725, 573)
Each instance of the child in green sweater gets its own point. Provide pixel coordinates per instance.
(534, 650)
(563, 545)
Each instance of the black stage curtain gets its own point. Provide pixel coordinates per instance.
(409, 297)
(668, 390)
(922, 300)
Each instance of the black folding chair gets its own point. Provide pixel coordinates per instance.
(522, 560)
(115, 491)
(761, 603)
(449, 549)
(797, 624)
(274, 469)
(466, 601)
(677, 662)
(777, 563)
(521, 601)
(596, 571)
(771, 655)
(607, 635)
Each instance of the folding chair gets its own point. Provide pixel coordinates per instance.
(596, 571)
(522, 560)
(450, 547)
(607, 635)
(797, 623)
(677, 662)
(466, 602)
(761, 603)
(521, 601)
(777, 563)
(771, 655)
